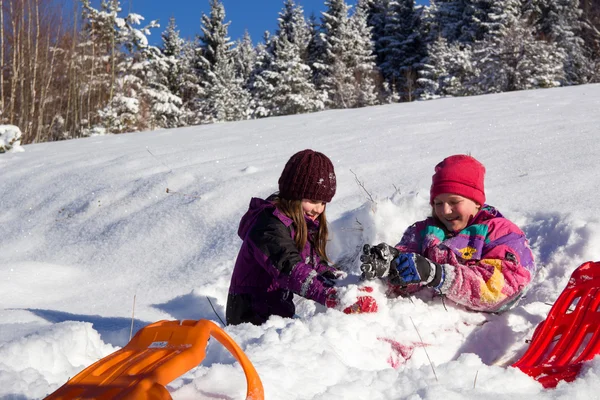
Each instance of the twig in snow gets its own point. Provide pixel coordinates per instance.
(475, 381)
(363, 187)
(132, 315)
(183, 194)
(160, 161)
(427, 354)
(215, 311)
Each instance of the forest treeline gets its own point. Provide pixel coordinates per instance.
(78, 70)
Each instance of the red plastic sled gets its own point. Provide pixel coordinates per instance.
(570, 334)
(155, 356)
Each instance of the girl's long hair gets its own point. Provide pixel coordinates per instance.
(293, 209)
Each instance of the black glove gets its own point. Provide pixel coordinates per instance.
(414, 268)
(377, 260)
(330, 274)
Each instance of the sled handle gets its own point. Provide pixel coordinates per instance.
(255, 389)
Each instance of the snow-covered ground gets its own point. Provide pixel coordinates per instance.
(86, 225)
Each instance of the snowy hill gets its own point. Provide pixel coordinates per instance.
(88, 224)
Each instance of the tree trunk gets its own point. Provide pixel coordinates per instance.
(1, 60)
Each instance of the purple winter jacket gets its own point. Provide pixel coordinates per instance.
(269, 268)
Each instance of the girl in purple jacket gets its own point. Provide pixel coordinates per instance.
(283, 249)
(466, 250)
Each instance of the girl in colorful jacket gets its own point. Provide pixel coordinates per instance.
(283, 249)
(466, 250)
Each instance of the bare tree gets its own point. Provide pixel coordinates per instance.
(1, 59)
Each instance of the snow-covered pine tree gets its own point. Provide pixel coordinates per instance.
(99, 54)
(335, 68)
(262, 80)
(361, 58)
(284, 84)
(118, 108)
(223, 98)
(452, 28)
(293, 27)
(244, 56)
(376, 16)
(293, 92)
(131, 107)
(559, 21)
(459, 20)
(331, 73)
(172, 50)
(590, 19)
(445, 19)
(165, 106)
(180, 77)
(315, 48)
(446, 68)
(510, 58)
(191, 87)
(402, 48)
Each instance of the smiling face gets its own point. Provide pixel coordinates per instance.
(313, 208)
(454, 211)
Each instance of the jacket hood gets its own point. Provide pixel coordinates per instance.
(256, 207)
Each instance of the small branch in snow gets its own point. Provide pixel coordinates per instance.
(360, 227)
(183, 194)
(363, 187)
(427, 354)
(475, 381)
(215, 311)
(132, 315)
(157, 159)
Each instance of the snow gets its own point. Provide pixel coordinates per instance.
(88, 224)
(10, 138)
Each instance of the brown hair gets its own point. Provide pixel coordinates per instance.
(293, 209)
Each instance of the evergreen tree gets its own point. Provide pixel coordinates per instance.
(333, 74)
(244, 58)
(377, 11)
(191, 88)
(403, 49)
(558, 21)
(293, 92)
(293, 27)
(165, 104)
(510, 58)
(262, 79)
(465, 21)
(446, 70)
(121, 47)
(315, 48)
(362, 58)
(590, 25)
(222, 97)
(168, 80)
(284, 84)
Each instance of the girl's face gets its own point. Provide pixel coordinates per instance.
(313, 208)
(454, 211)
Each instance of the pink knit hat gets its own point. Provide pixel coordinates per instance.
(309, 175)
(459, 174)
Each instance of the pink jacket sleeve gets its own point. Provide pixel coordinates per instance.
(484, 273)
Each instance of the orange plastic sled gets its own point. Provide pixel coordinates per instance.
(570, 334)
(155, 356)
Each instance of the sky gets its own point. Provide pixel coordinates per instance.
(88, 226)
(254, 16)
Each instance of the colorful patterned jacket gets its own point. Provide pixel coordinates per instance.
(485, 267)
